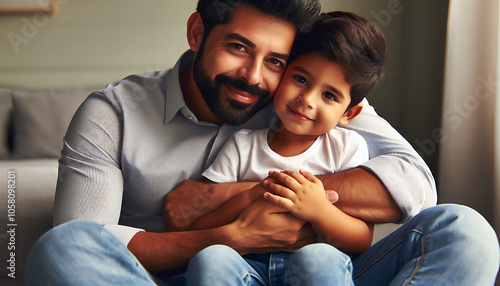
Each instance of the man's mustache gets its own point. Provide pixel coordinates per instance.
(240, 84)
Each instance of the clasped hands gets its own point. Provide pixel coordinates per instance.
(275, 218)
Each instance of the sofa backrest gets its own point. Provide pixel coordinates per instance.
(33, 123)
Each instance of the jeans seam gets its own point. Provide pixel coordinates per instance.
(388, 249)
(420, 260)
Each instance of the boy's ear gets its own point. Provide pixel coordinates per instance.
(351, 113)
(195, 31)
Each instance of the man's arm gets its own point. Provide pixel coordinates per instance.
(200, 198)
(260, 228)
(363, 195)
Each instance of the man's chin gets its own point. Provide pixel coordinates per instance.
(235, 113)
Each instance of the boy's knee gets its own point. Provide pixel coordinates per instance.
(318, 254)
(214, 255)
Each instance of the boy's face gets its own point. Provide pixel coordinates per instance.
(313, 95)
(239, 65)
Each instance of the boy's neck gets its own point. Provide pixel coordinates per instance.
(288, 144)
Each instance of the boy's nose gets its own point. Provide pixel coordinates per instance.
(306, 98)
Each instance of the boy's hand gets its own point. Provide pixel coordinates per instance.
(300, 193)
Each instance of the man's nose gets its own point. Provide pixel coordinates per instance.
(252, 72)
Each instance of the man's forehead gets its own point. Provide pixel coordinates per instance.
(256, 28)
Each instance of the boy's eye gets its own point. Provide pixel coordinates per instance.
(300, 79)
(330, 96)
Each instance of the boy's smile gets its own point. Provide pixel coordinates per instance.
(313, 95)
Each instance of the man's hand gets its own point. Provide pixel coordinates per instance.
(264, 226)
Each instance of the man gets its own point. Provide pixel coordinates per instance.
(133, 142)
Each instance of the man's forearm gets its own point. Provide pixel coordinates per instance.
(192, 199)
(362, 195)
(171, 250)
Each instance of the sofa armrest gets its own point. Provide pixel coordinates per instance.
(34, 185)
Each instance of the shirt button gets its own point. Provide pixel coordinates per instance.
(190, 117)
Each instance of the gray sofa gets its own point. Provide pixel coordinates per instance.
(32, 127)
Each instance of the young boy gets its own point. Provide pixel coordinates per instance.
(332, 69)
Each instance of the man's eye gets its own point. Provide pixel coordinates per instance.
(330, 96)
(238, 47)
(276, 62)
(300, 79)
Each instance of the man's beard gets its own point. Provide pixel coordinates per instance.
(223, 107)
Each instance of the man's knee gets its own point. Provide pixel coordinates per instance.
(462, 225)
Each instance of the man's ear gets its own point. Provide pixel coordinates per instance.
(195, 30)
(351, 113)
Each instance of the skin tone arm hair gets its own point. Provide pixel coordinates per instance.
(361, 195)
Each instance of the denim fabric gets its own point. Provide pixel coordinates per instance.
(443, 245)
(314, 264)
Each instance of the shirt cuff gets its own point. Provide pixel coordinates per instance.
(122, 232)
(402, 180)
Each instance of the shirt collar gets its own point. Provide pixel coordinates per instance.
(174, 99)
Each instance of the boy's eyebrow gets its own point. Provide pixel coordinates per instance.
(333, 89)
(238, 37)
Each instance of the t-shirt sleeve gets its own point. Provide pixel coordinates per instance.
(225, 167)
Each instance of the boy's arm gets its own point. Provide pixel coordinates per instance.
(303, 195)
(228, 211)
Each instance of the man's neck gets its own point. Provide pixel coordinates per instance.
(194, 100)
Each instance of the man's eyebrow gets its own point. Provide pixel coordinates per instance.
(238, 37)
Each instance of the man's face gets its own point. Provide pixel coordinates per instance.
(239, 65)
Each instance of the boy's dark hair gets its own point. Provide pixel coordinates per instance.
(301, 13)
(352, 42)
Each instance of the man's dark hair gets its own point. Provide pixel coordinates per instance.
(301, 13)
(352, 42)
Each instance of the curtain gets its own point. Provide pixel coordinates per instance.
(469, 159)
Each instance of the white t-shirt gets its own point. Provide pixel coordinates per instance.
(246, 156)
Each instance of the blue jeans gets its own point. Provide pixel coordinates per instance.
(442, 245)
(314, 264)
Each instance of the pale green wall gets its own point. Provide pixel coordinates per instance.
(93, 42)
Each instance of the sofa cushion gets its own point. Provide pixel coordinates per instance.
(5, 111)
(40, 120)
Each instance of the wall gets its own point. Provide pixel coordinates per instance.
(91, 42)
(94, 42)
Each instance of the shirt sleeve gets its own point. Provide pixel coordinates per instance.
(90, 182)
(225, 167)
(394, 161)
